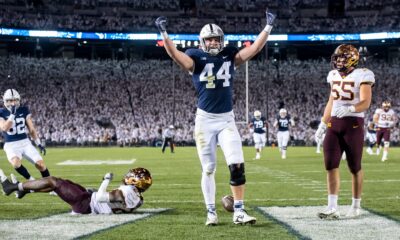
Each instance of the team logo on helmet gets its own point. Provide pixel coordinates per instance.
(139, 177)
(345, 57)
(9, 96)
(209, 31)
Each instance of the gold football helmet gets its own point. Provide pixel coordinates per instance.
(386, 105)
(345, 57)
(139, 177)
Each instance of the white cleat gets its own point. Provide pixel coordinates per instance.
(258, 157)
(241, 217)
(384, 159)
(212, 219)
(318, 151)
(329, 214)
(52, 193)
(283, 156)
(353, 213)
(369, 151)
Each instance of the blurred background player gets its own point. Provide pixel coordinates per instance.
(385, 119)
(126, 198)
(259, 127)
(343, 122)
(168, 138)
(212, 67)
(15, 123)
(371, 136)
(282, 123)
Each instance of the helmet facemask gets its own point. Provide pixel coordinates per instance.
(386, 105)
(11, 98)
(345, 57)
(257, 115)
(138, 177)
(282, 113)
(211, 31)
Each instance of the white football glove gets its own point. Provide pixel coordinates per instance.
(108, 176)
(320, 133)
(344, 111)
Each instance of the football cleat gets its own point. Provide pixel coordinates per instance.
(18, 194)
(369, 151)
(9, 187)
(212, 219)
(353, 213)
(329, 214)
(241, 217)
(258, 156)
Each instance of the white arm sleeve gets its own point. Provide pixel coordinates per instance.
(102, 195)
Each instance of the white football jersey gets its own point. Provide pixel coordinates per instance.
(346, 91)
(131, 196)
(386, 119)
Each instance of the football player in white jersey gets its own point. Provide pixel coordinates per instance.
(126, 198)
(385, 119)
(258, 126)
(16, 123)
(282, 123)
(212, 67)
(343, 122)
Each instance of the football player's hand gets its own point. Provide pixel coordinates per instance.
(108, 176)
(270, 17)
(344, 111)
(42, 149)
(161, 23)
(319, 134)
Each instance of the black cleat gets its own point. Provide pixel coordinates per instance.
(9, 187)
(20, 194)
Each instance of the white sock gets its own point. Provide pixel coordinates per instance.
(332, 201)
(356, 202)
(208, 188)
(238, 205)
(20, 187)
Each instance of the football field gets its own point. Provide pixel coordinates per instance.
(284, 195)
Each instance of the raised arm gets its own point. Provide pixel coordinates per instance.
(249, 52)
(179, 57)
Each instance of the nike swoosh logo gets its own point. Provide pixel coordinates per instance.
(224, 57)
(355, 126)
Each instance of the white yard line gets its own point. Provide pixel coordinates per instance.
(304, 223)
(65, 226)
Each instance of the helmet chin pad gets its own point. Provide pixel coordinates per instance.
(213, 51)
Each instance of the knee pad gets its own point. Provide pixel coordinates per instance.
(237, 174)
(386, 144)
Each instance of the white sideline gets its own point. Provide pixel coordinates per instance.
(65, 226)
(304, 223)
(96, 162)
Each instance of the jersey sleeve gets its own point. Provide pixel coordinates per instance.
(195, 55)
(329, 77)
(377, 111)
(367, 77)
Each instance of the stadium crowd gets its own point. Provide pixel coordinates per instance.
(234, 16)
(85, 102)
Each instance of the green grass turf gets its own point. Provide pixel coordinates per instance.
(298, 180)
